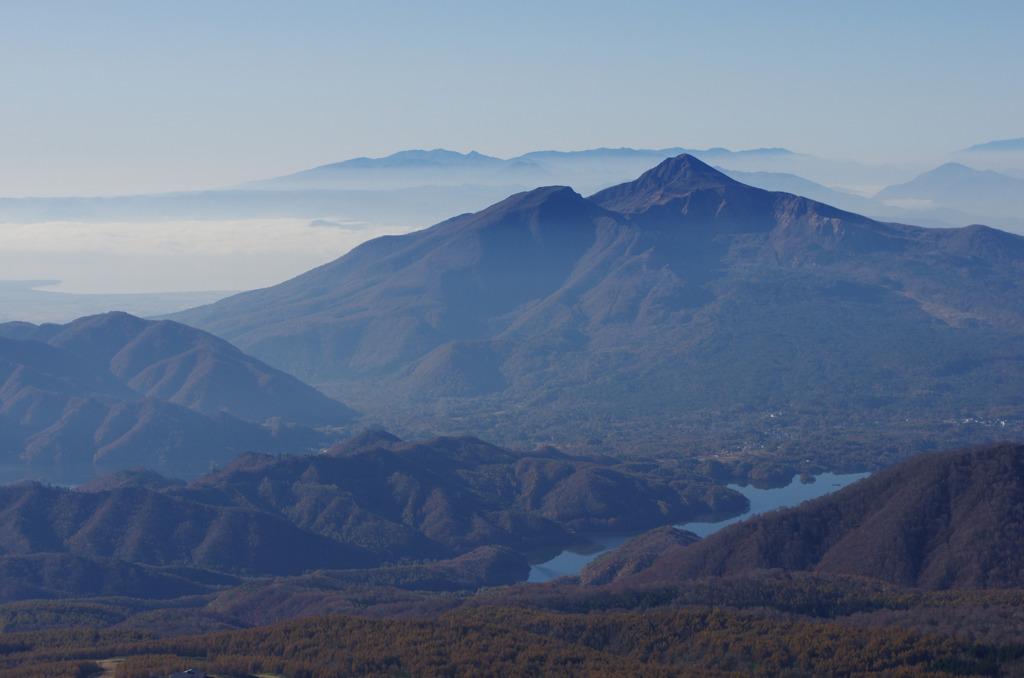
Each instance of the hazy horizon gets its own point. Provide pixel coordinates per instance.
(114, 99)
(108, 99)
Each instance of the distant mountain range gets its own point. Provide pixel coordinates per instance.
(682, 306)
(115, 391)
(958, 187)
(1000, 145)
(586, 170)
(417, 187)
(349, 202)
(950, 520)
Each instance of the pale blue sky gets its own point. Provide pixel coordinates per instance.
(123, 97)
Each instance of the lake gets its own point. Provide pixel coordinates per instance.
(572, 560)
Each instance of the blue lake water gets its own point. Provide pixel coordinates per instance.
(571, 561)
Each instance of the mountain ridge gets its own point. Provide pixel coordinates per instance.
(948, 520)
(957, 186)
(116, 391)
(548, 296)
(371, 500)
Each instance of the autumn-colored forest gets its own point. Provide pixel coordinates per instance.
(798, 592)
(769, 624)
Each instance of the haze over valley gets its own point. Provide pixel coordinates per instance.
(186, 249)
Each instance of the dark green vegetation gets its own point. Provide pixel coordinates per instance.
(683, 313)
(114, 391)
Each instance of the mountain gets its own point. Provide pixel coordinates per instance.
(1000, 145)
(445, 494)
(417, 187)
(683, 308)
(138, 525)
(49, 575)
(790, 183)
(950, 520)
(440, 167)
(116, 391)
(173, 362)
(958, 187)
(371, 500)
(407, 169)
(588, 170)
(635, 556)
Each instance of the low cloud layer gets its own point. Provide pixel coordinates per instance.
(174, 256)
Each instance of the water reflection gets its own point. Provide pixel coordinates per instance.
(572, 560)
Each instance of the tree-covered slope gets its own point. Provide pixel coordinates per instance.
(949, 520)
(371, 501)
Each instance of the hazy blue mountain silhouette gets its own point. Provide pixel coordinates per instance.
(680, 297)
(1000, 145)
(116, 391)
(958, 187)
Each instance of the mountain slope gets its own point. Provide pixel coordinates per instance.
(651, 309)
(50, 575)
(406, 169)
(453, 493)
(399, 297)
(958, 187)
(1000, 145)
(943, 520)
(371, 500)
(139, 525)
(117, 391)
(174, 362)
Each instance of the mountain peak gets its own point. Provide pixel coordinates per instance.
(439, 156)
(1000, 145)
(986, 187)
(687, 171)
(672, 178)
(538, 205)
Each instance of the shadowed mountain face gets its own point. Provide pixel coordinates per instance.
(140, 525)
(117, 391)
(943, 520)
(659, 310)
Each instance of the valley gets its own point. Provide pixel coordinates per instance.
(347, 471)
(673, 312)
(570, 561)
(630, 612)
(511, 340)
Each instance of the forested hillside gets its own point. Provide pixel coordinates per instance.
(370, 501)
(949, 520)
